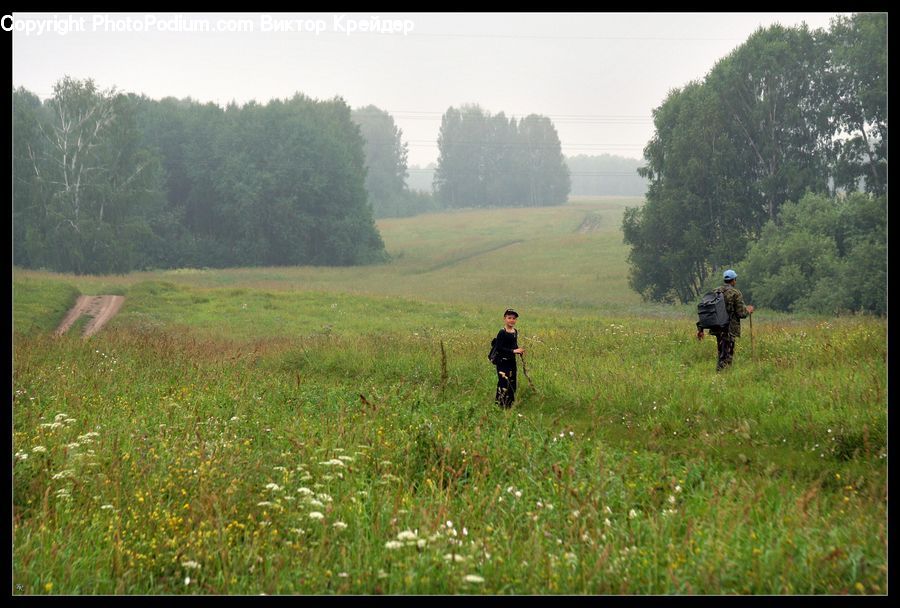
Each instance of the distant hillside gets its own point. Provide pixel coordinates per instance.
(606, 175)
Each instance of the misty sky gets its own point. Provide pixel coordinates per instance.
(598, 76)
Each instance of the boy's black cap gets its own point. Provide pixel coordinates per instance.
(510, 311)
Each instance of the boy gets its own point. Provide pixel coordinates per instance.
(506, 346)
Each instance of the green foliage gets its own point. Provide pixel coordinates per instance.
(386, 166)
(781, 116)
(859, 75)
(824, 255)
(177, 183)
(87, 192)
(492, 161)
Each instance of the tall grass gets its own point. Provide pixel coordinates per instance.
(287, 431)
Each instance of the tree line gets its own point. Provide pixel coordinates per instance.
(110, 182)
(601, 175)
(107, 182)
(781, 142)
(493, 161)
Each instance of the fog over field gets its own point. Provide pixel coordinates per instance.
(597, 76)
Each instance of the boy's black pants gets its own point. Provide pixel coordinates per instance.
(506, 384)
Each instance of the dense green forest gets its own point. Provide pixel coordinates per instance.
(111, 182)
(788, 115)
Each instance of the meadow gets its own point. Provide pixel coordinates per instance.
(332, 431)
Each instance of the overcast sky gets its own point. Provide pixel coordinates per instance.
(598, 76)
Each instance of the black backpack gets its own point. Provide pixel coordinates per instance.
(492, 354)
(712, 312)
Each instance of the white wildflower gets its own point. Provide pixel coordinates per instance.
(334, 462)
(305, 491)
(473, 578)
(407, 535)
(190, 564)
(273, 486)
(632, 514)
(393, 544)
(315, 515)
(340, 525)
(454, 557)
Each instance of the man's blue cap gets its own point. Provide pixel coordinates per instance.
(730, 274)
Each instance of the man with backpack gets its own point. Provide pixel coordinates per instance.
(727, 332)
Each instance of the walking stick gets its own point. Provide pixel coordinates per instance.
(752, 347)
(525, 373)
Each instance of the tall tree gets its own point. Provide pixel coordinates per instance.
(97, 184)
(772, 91)
(386, 158)
(691, 215)
(490, 160)
(763, 128)
(547, 174)
(857, 71)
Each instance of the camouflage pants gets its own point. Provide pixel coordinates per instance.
(725, 343)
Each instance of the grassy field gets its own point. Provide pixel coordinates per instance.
(322, 431)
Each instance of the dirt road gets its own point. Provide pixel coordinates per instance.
(100, 308)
